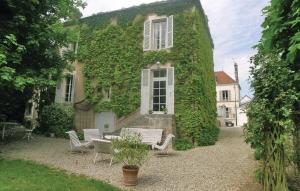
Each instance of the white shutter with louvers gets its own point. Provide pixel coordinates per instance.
(145, 91)
(169, 38)
(170, 90)
(58, 92)
(147, 35)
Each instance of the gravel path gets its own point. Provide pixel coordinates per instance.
(226, 166)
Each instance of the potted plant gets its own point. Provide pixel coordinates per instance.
(132, 152)
(165, 110)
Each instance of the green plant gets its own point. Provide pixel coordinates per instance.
(165, 110)
(130, 150)
(183, 144)
(150, 111)
(208, 136)
(56, 119)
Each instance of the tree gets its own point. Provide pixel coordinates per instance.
(274, 113)
(31, 34)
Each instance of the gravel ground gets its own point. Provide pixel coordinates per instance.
(226, 166)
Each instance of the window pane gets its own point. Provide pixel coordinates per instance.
(156, 73)
(156, 84)
(155, 99)
(162, 84)
(155, 107)
(162, 91)
(163, 73)
(156, 92)
(162, 99)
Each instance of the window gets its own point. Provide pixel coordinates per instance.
(225, 95)
(227, 112)
(69, 88)
(159, 90)
(158, 33)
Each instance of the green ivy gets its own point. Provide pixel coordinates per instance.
(113, 59)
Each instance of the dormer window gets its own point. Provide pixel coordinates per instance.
(158, 33)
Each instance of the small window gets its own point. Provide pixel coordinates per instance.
(225, 95)
(227, 112)
(159, 34)
(69, 88)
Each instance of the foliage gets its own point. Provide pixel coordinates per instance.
(208, 136)
(183, 144)
(130, 150)
(113, 58)
(28, 176)
(56, 119)
(30, 37)
(274, 112)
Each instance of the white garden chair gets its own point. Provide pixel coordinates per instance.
(75, 144)
(163, 148)
(102, 146)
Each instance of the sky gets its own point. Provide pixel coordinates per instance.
(235, 26)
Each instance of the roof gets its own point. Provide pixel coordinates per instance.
(223, 78)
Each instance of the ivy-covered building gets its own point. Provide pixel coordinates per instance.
(149, 66)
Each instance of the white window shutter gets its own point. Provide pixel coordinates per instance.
(145, 91)
(170, 90)
(229, 95)
(147, 35)
(169, 38)
(58, 92)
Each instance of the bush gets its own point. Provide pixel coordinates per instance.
(258, 153)
(183, 144)
(131, 151)
(208, 136)
(56, 119)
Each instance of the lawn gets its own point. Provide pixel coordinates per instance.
(19, 175)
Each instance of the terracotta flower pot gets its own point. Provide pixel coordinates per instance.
(130, 174)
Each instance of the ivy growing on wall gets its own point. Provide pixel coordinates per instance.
(113, 58)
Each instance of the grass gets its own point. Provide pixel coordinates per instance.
(19, 175)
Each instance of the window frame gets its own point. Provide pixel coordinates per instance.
(153, 45)
(68, 93)
(159, 79)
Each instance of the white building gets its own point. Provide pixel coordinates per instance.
(228, 98)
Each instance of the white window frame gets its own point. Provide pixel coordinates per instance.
(159, 79)
(150, 35)
(153, 36)
(69, 89)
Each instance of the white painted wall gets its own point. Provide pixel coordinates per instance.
(242, 117)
